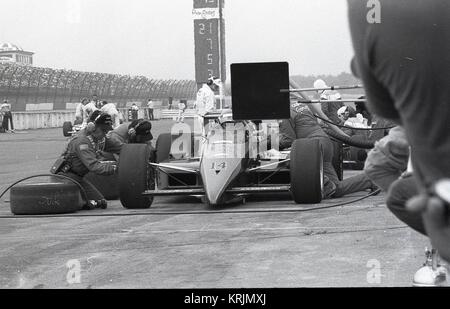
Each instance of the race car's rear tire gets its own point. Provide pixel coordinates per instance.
(45, 198)
(67, 127)
(163, 145)
(306, 169)
(135, 176)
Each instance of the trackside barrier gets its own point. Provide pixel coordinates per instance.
(41, 119)
(55, 119)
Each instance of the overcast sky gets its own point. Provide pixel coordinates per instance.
(156, 38)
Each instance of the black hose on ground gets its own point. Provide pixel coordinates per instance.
(201, 212)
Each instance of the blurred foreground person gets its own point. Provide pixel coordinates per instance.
(387, 166)
(408, 82)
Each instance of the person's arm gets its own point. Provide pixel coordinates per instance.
(287, 134)
(114, 143)
(315, 108)
(388, 160)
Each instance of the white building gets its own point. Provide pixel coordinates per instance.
(10, 53)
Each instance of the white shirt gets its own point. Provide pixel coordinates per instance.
(111, 110)
(88, 109)
(206, 100)
(79, 111)
(150, 104)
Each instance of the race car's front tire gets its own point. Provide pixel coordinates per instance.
(135, 176)
(67, 127)
(306, 169)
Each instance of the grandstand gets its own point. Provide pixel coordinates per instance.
(22, 85)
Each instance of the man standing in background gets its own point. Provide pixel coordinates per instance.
(151, 107)
(206, 99)
(7, 117)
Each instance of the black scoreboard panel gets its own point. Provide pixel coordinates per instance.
(207, 57)
(209, 40)
(256, 91)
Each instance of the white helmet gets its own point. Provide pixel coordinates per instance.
(320, 83)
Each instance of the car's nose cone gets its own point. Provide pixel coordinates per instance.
(217, 174)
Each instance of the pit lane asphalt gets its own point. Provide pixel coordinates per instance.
(337, 247)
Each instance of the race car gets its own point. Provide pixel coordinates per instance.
(70, 129)
(221, 165)
(215, 172)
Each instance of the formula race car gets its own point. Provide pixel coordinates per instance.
(218, 174)
(220, 164)
(70, 129)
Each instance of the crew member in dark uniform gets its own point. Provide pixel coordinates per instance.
(303, 124)
(138, 132)
(86, 153)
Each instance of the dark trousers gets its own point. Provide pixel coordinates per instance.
(150, 114)
(347, 186)
(91, 191)
(7, 118)
(399, 193)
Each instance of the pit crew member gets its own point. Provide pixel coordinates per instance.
(85, 153)
(79, 111)
(409, 83)
(111, 109)
(303, 124)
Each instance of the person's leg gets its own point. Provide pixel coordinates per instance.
(347, 186)
(91, 191)
(11, 120)
(399, 193)
(92, 194)
(5, 124)
(353, 184)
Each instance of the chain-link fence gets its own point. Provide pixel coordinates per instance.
(22, 85)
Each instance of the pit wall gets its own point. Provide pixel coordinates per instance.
(41, 116)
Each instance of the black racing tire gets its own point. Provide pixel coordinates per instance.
(45, 198)
(135, 176)
(67, 127)
(163, 145)
(306, 169)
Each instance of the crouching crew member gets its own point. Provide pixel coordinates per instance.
(138, 132)
(84, 154)
(303, 124)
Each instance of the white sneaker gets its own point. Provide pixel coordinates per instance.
(432, 274)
